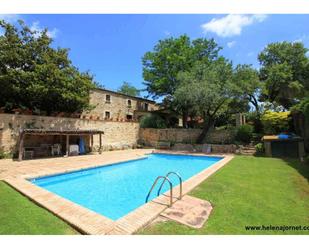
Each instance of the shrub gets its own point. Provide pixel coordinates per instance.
(302, 107)
(275, 122)
(256, 137)
(4, 155)
(255, 119)
(244, 133)
(259, 149)
(152, 121)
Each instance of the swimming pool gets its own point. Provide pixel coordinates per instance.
(117, 189)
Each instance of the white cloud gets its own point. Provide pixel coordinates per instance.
(35, 27)
(231, 44)
(9, 17)
(303, 38)
(167, 33)
(231, 25)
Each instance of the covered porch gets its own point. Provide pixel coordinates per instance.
(55, 142)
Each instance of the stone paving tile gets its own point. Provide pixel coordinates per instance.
(83, 219)
(41, 167)
(189, 211)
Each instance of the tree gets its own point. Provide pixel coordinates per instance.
(247, 80)
(171, 56)
(36, 76)
(208, 88)
(285, 71)
(152, 121)
(128, 89)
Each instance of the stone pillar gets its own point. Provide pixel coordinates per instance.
(240, 119)
(267, 146)
(301, 149)
(67, 146)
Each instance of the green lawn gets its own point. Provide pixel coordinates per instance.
(250, 191)
(18, 215)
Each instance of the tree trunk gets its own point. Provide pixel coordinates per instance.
(185, 119)
(255, 103)
(205, 130)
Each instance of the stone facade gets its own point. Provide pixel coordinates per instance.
(151, 137)
(118, 135)
(109, 105)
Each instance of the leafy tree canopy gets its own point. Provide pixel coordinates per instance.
(37, 76)
(247, 80)
(303, 107)
(152, 121)
(208, 89)
(285, 71)
(128, 89)
(171, 56)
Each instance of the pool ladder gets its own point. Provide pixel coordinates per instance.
(171, 186)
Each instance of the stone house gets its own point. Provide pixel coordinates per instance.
(110, 105)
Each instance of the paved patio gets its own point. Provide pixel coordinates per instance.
(83, 219)
(40, 167)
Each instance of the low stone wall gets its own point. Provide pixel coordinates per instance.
(206, 148)
(151, 137)
(118, 135)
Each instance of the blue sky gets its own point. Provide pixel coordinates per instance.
(111, 46)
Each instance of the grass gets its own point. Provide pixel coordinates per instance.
(19, 215)
(250, 191)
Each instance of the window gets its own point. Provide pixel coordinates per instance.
(129, 117)
(129, 103)
(107, 98)
(146, 107)
(107, 115)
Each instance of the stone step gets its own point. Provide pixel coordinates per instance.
(247, 153)
(247, 150)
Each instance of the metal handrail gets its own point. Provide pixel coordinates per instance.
(180, 182)
(154, 184)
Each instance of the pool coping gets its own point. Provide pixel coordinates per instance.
(89, 222)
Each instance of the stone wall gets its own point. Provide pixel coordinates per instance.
(206, 148)
(118, 135)
(151, 137)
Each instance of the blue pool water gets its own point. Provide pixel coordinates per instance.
(118, 189)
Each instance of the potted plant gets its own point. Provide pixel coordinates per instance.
(27, 111)
(17, 110)
(75, 115)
